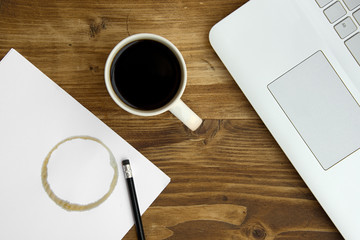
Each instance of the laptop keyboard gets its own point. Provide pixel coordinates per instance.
(344, 15)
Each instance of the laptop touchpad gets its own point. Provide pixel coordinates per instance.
(321, 108)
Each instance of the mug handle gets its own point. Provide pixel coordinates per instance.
(186, 115)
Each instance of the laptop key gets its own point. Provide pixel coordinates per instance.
(323, 3)
(335, 12)
(357, 16)
(352, 4)
(353, 44)
(345, 27)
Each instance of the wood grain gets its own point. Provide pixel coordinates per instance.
(230, 179)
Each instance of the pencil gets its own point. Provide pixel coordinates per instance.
(134, 203)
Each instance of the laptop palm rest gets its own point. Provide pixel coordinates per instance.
(321, 108)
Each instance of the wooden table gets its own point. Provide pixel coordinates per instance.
(230, 179)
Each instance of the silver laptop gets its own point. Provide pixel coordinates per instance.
(298, 63)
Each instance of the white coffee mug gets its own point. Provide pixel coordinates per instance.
(176, 106)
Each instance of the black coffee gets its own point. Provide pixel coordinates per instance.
(145, 74)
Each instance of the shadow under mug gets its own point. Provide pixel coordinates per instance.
(175, 105)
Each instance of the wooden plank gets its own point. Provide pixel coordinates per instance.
(232, 162)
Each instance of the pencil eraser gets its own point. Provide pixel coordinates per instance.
(125, 162)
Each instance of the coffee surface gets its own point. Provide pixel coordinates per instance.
(145, 74)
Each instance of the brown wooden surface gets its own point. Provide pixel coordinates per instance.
(230, 179)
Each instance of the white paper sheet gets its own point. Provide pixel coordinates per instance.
(36, 114)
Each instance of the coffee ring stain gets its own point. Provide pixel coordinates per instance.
(74, 206)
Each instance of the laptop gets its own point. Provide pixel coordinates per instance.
(298, 63)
